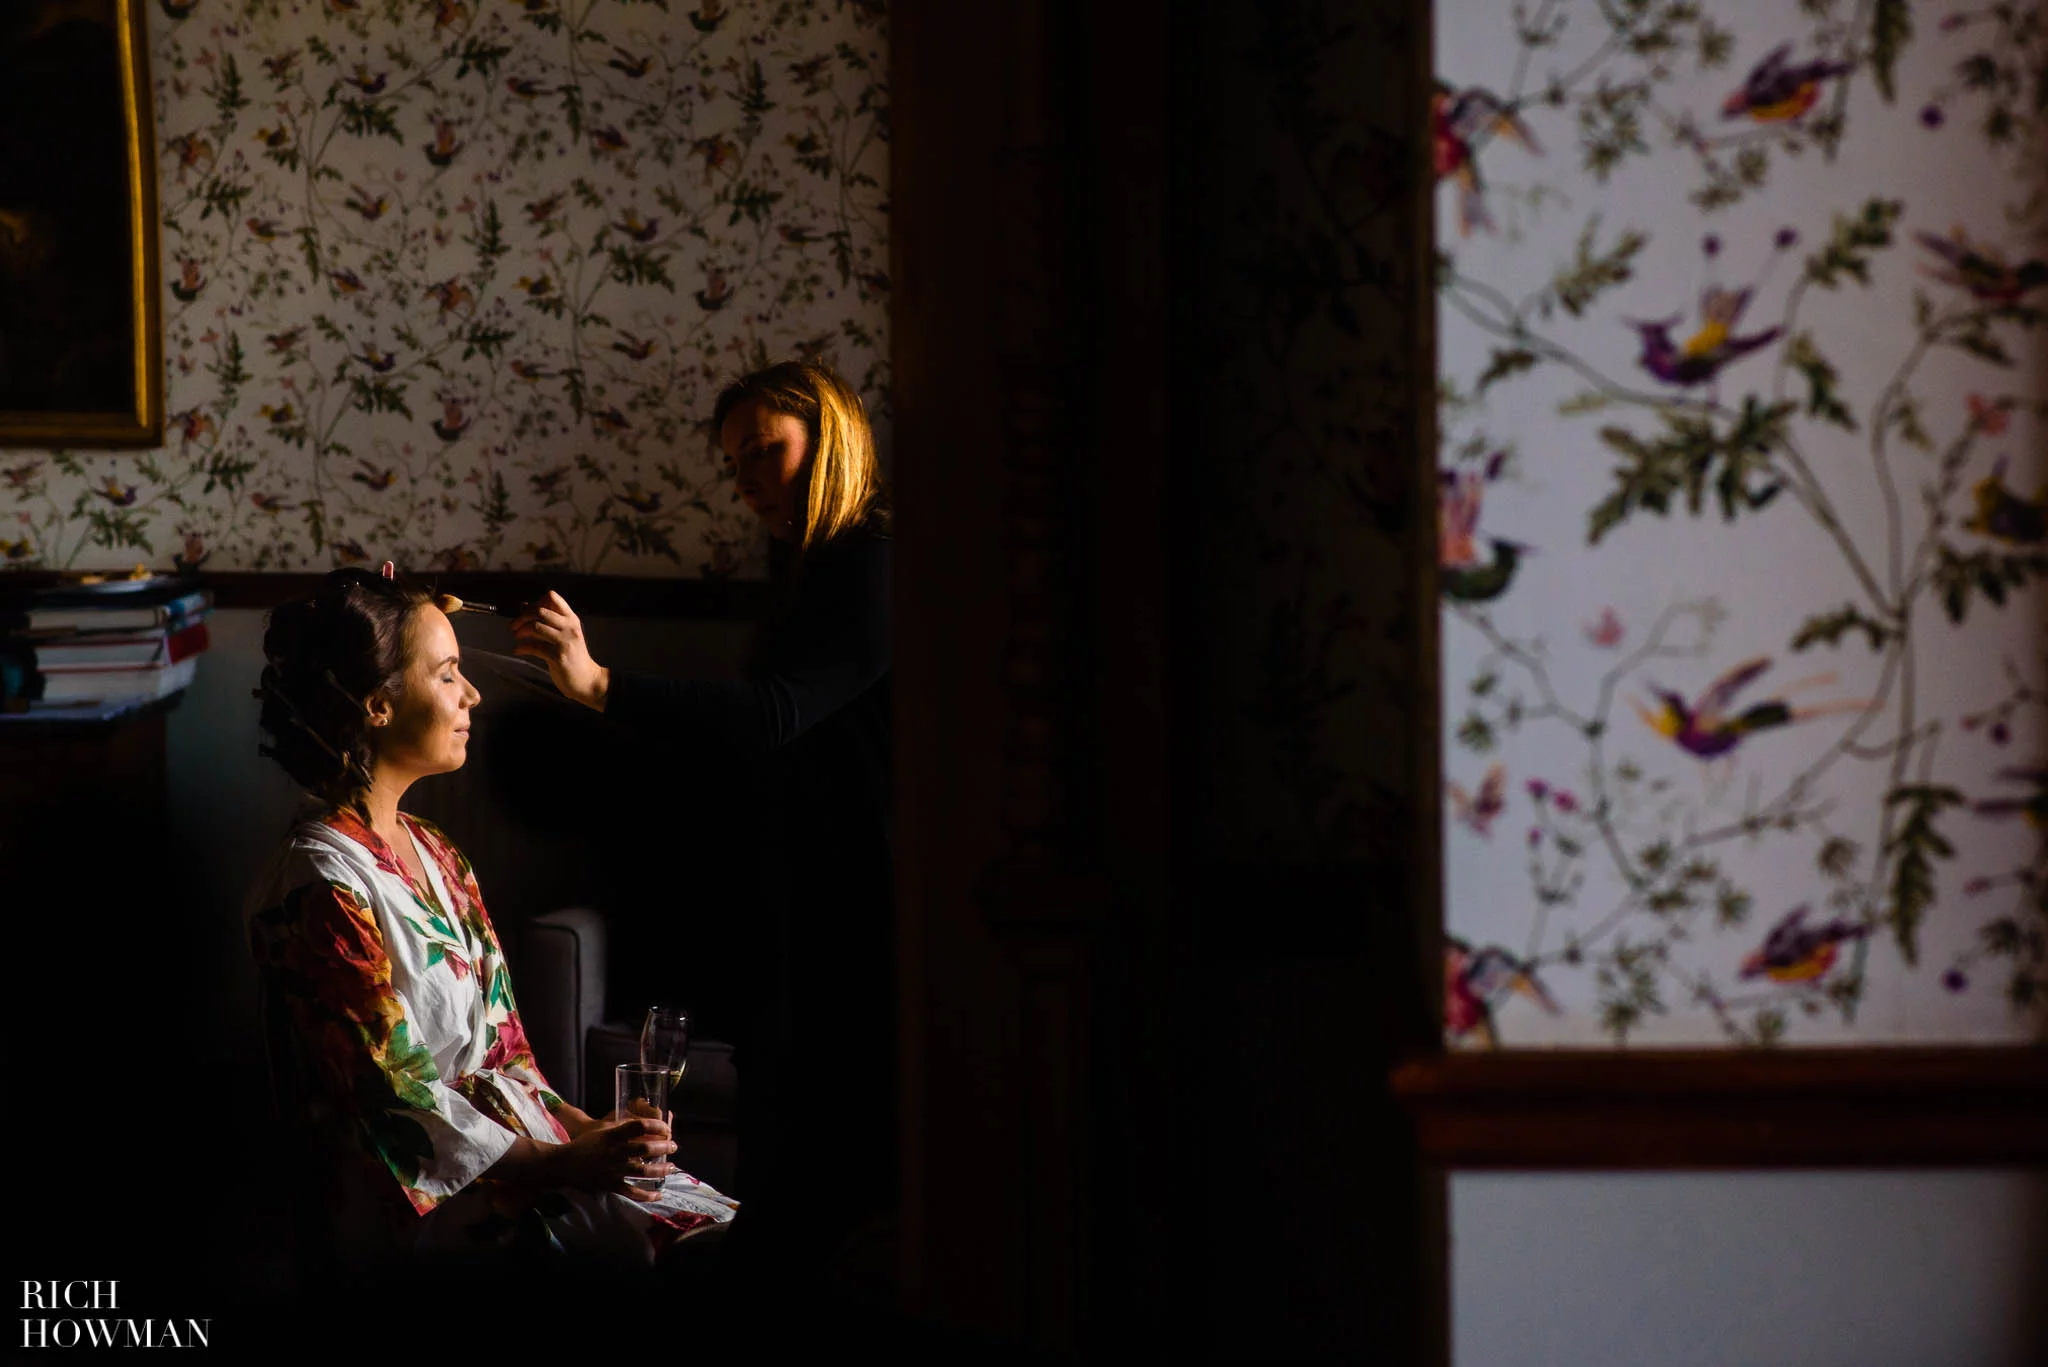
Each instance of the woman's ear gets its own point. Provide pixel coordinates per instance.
(379, 710)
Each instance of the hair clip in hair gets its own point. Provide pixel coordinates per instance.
(342, 689)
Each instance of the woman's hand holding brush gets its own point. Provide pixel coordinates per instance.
(551, 632)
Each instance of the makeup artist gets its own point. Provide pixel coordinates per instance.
(810, 725)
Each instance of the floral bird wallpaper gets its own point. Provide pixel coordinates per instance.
(1743, 493)
(454, 281)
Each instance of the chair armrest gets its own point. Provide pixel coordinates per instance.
(558, 963)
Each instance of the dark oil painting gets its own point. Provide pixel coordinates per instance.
(77, 226)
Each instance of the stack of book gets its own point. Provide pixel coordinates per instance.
(106, 643)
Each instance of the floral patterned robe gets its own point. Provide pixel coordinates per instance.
(395, 1039)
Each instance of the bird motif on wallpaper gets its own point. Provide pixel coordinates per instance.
(633, 67)
(1795, 952)
(716, 292)
(365, 82)
(371, 477)
(638, 228)
(177, 9)
(345, 281)
(453, 422)
(370, 206)
(451, 294)
(192, 424)
(115, 492)
(547, 481)
(607, 139)
(190, 149)
(17, 550)
(535, 288)
(797, 234)
(269, 503)
(708, 16)
(2001, 514)
(282, 65)
(379, 361)
(274, 139)
(1710, 349)
(1778, 89)
(1479, 810)
(634, 348)
(1461, 124)
(278, 415)
(640, 500)
(441, 151)
(1462, 576)
(18, 476)
(350, 552)
(541, 210)
(716, 152)
(2033, 805)
(1706, 729)
(1475, 982)
(610, 422)
(191, 555)
(263, 229)
(525, 87)
(189, 282)
(283, 343)
(529, 372)
(449, 13)
(1981, 270)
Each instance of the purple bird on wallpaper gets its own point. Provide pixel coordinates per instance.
(1713, 347)
(1778, 89)
(2003, 515)
(1705, 729)
(1795, 952)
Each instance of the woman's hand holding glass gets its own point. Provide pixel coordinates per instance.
(611, 1152)
(551, 632)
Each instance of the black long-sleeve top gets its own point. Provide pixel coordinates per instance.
(813, 708)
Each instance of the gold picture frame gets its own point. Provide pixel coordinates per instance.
(65, 379)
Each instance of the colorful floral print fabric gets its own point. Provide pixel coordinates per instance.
(401, 1035)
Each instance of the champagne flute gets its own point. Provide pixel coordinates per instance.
(665, 1042)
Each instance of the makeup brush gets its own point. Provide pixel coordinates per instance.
(451, 605)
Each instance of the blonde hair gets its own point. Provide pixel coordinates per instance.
(845, 483)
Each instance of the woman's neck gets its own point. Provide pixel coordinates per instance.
(386, 789)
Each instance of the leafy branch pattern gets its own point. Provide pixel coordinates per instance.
(453, 281)
(1832, 465)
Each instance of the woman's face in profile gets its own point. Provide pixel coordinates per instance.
(769, 454)
(429, 728)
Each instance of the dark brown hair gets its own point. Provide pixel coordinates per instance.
(326, 656)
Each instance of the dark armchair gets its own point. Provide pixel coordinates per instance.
(558, 963)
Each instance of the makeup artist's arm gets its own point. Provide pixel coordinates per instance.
(833, 646)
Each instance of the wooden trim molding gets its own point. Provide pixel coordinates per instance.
(1677, 1109)
(594, 595)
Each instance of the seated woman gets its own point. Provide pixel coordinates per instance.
(393, 1031)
